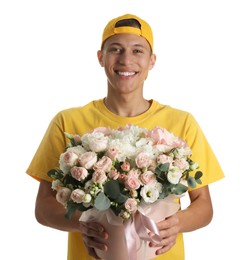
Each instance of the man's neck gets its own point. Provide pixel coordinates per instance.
(127, 107)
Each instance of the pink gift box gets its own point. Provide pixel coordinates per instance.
(129, 239)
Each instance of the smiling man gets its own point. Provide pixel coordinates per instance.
(127, 56)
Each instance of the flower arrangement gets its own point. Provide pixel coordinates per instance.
(122, 168)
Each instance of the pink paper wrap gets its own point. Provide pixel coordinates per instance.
(129, 240)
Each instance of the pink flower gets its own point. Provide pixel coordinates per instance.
(77, 195)
(112, 153)
(132, 183)
(69, 158)
(88, 159)
(99, 176)
(125, 166)
(162, 136)
(104, 164)
(79, 173)
(63, 195)
(134, 172)
(113, 174)
(163, 158)
(98, 143)
(181, 163)
(131, 205)
(142, 160)
(147, 177)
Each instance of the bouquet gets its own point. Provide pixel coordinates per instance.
(121, 171)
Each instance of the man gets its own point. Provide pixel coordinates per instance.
(127, 55)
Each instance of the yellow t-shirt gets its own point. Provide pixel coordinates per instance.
(80, 120)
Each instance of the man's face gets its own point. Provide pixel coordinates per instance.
(126, 59)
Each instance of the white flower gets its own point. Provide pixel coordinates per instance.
(149, 193)
(174, 175)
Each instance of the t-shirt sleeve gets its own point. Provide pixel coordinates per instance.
(202, 153)
(49, 150)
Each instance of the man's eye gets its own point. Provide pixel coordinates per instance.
(115, 50)
(138, 51)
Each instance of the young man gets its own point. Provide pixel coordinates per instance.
(127, 56)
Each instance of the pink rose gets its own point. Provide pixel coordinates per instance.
(63, 195)
(142, 160)
(132, 183)
(133, 193)
(181, 163)
(104, 164)
(87, 159)
(131, 205)
(113, 174)
(162, 136)
(77, 195)
(126, 166)
(147, 177)
(163, 158)
(122, 177)
(134, 172)
(112, 153)
(99, 176)
(79, 173)
(98, 143)
(69, 158)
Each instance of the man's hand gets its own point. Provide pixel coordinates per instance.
(90, 231)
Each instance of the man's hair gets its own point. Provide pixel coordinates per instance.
(128, 22)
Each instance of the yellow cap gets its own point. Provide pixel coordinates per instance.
(145, 30)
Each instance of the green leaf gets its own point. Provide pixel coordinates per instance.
(199, 181)
(72, 207)
(191, 182)
(112, 189)
(198, 175)
(55, 173)
(102, 202)
(121, 198)
(166, 190)
(164, 167)
(179, 189)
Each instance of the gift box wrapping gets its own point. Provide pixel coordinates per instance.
(129, 240)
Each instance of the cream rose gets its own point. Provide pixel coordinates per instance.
(87, 160)
(63, 195)
(79, 173)
(132, 183)
(99, 176)
(104, 164)
(174, 175)
(142, 160)
(147, 177)
(131, 205)
(77, 195)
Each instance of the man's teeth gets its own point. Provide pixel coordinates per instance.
(126, 73)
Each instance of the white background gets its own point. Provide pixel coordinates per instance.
(48, 63)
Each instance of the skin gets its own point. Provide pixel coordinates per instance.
(126, 59)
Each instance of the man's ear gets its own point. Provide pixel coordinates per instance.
(100, 58)
(152, 61)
